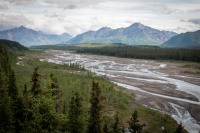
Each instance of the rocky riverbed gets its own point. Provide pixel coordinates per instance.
(160, 85)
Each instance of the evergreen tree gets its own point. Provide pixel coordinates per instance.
(94, 125)
(75, 123)
(35, 82)
(16, 103)
(6, 116)
(180, 129)
(105, 128)
(25, 90)
(19, 117)
(12, 88)
(56, 92)
(116, 128)
(134, 125)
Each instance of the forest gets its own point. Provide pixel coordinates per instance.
(128, 51)
(46, 97)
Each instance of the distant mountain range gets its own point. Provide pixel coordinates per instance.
(184, 40)
(136, 34)
(29, 37)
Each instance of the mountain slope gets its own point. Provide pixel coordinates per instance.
(29, 37)
(184, 40)
(136, 34)
(11, 45)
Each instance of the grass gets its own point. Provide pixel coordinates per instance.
(116, 99)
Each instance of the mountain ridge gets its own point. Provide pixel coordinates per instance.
(135, 34)
(184, 40)
(29, 37)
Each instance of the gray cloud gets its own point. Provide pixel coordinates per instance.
(195, 21)
(11, 21)
(77, 16)
(3, 6)
(20, 2)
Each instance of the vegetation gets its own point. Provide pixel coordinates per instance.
(128, 51)
(95, 110)
(45, 97)
(12, 45)
(134, 125)
(146, 52)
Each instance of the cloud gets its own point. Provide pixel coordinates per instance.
(11, 21)
(3, 6)
(195, 21)
(77, 16)
(20, 2)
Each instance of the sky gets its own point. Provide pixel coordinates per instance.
(78, 16)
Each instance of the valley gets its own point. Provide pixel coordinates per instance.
(163, 86)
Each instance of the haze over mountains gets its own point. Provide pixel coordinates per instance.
(29, 37)
(135, 34)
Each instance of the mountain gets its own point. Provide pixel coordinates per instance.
(136, 34)
(184, 40)
(29, 37)
(11, 45)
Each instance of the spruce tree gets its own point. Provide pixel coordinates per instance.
(6, 116)
(134, 125)
(12, 88)
(75, 124)
(25, 90)
(16, 103)
(35, 79)
(105, 128)
(55, 92)
(116, 128)
(94, 125)
(180, 129)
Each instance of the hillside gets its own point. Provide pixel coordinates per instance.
(11, 45)
(184, 40)
(29, 37)
(135, 34)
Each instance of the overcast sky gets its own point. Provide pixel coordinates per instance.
(77, 16)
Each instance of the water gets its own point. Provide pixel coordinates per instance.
(142, 71)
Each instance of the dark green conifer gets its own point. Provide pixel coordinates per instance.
(25, 91)
(180, 129)
(55, 91)
(35, 79)
(134, 125)
(116, 127)
(12, 88)
(75, 123)
(105, 128)
(94, 125)
(6, 116)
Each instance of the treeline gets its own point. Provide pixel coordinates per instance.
(146, 52)
(137, 52)
(11, 45)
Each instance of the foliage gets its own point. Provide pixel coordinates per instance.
(180, 129)
(128, 51)
(116, 126)
(35, 79)
(134, 125)
(11, 45)
(94, 123)
(75, 123)
(38, 112)
(6, 115)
